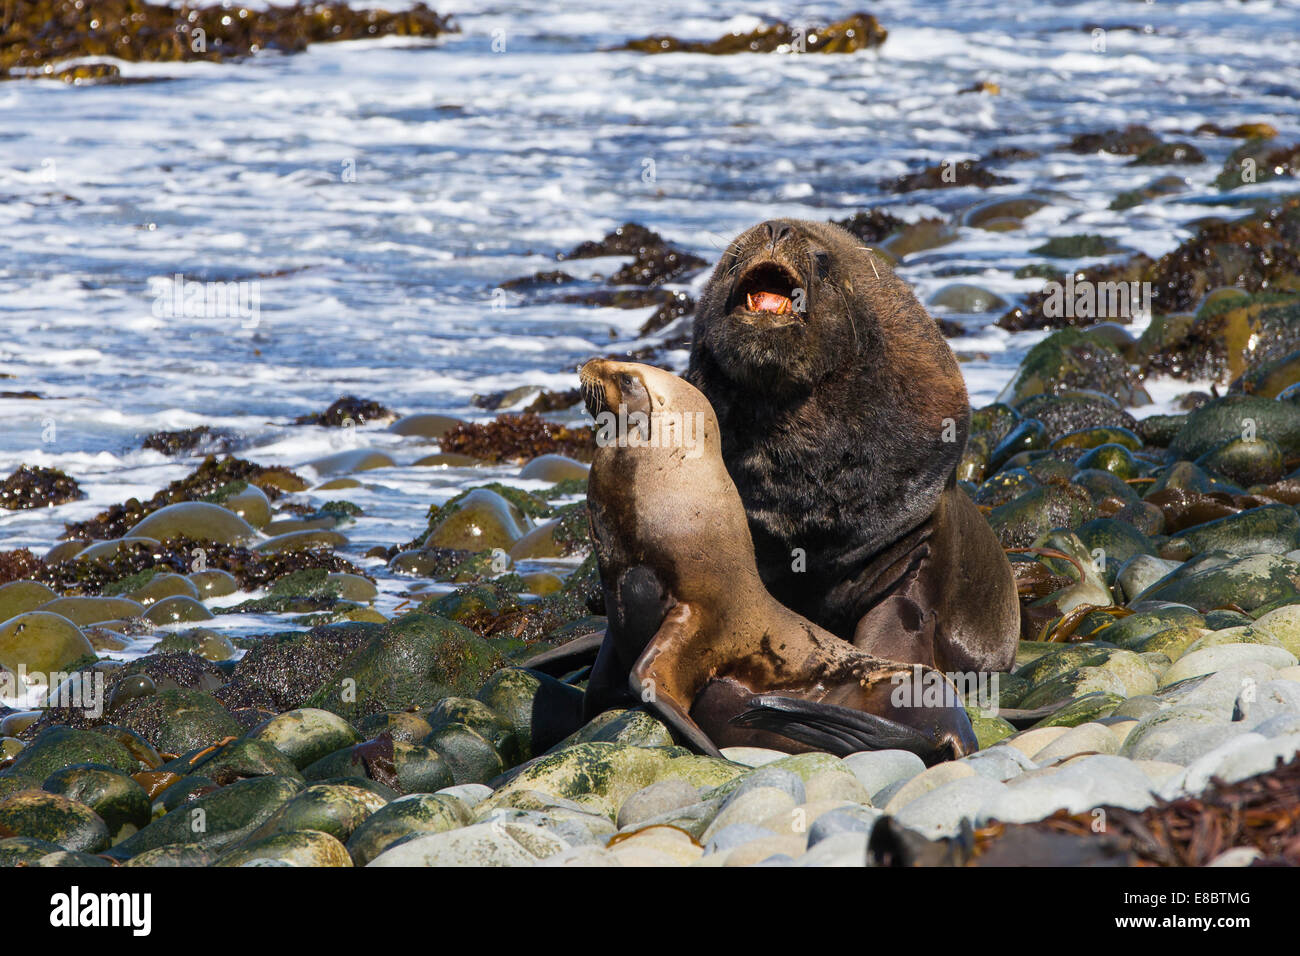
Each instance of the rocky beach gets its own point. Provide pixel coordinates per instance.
(294, 460)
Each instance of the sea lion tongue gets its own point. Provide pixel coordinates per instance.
(768, 302)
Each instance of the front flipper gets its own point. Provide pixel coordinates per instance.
(658, 678)
(579, 652)
(839, 730)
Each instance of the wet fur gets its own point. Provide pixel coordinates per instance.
(833, 430)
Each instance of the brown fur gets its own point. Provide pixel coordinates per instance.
(674, 550)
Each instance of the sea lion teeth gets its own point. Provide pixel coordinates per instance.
(768, 302)
(895, 557)
(694, 635)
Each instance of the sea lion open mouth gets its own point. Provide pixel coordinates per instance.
(769, 289)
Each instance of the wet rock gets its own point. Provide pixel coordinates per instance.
(1270, 529)
(352, 460)
(540, 710)
(554, 468)
(987, 215)
(178, 608)
(858, 32)
(208, 644)
(174, 855)
(871, 225)
(420, 813)
(41, 641)
(281, 671)
(483, 844)
(159, 585)
(92, 610)
(519, 438)
(1240, 338)
(1076, 247)
(1018, 523)
(18, 597)
(177, 721)
(189, 441)
(1271, 378)
(195, 519)
(1067, 360)
(38, 488)
(335, 809)
(1259, 160)
(404, 767)
(425, 425)
(470, 757)
(411, 661)
(1156, 189)
(306, 735)
(249, 502)
(482, 520)
(963, 297)
(295, 848)
(208, 478)
(919, 236)
(636, 728)
(52, 32)
(456, 712)
(1218, 580)
(58, 747)
(115, 798)
(1230, 418)
(949, 175)
(214, 583)
(215, 820)
(601, 776)
(235, 760)
(1129, 141)
(1169, 154)
(55, 819)
(346, 412)
(1247, 462)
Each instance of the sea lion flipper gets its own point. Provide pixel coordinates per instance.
(837, 730)
(654, 678)
(579, 652)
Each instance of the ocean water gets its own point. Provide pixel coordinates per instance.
(377, 192)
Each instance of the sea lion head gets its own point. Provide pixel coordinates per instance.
(659, 492)
(777, 312)
(642, 409)
(844, 411)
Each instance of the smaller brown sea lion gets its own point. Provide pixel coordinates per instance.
(693, 633)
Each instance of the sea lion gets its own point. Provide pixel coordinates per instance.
(844, 415)
(692, 631)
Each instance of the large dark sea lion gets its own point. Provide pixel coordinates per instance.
(692, 631)
(843, 416)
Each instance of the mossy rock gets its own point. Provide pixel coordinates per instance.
(414, 661)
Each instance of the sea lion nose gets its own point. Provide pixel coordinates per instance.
(777, 230)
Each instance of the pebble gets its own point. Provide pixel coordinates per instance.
(482, 844)
(656, 800)
(1090, 737)
(751, 806)
(669, 841)
(877, 770)
(939, 812)
(931, 779)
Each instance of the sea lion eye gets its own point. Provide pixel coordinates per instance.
(822, 260)
(625, 380)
